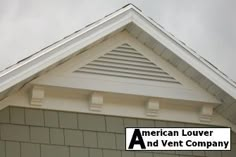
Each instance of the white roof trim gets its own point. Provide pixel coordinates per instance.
(101, 28)
(186, 54)
(46, 57)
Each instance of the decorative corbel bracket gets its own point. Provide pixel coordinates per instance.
(96, 102)
(206, 113)
(152, 107)
(37, 96)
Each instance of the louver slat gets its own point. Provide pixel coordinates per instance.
(127, 59)
(126, 52)
(126, 62)
(114, 53)
(122, 74)
(131, 67)
(126, 70)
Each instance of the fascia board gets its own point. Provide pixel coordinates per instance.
(66, 40)
(65, 48)
(184, 53)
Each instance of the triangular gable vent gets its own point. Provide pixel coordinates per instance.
(121, 64)
(126, 62)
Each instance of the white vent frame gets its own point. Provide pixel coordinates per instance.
(126, 62)
(64, 76)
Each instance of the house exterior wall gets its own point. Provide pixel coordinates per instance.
(28, 132)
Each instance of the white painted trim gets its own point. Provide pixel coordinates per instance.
(184, 53)
(116, 105)
(64, 49)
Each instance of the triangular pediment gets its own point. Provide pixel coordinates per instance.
(121, 64)
(90, 61)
